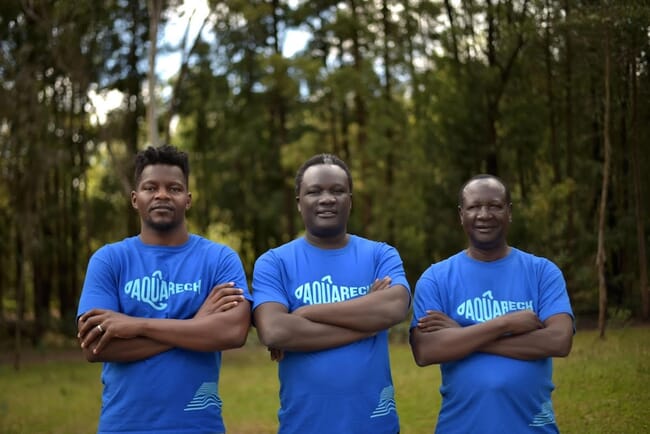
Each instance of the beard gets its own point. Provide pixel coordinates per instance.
(162, 226)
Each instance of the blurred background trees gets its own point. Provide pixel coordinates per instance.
(416, 96)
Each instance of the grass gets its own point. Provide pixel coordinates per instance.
(602, 387)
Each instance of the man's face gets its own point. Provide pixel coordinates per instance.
(161, 197)
(325, 200)
(485, 214)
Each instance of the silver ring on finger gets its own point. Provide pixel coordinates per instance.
(100, 328)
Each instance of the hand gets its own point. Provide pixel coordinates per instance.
(521, 321)
(222, 297)
(434, 321)
(98, 326)
(379, 284)
(276, 354)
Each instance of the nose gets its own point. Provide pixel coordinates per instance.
(162, 192)
(483, 212)
(326, 196)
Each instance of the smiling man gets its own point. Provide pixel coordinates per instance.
(158, 308)
(323, 304)
(493, 317)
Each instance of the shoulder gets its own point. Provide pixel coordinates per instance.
(221, 254)
(201, 243)
(118, 247)
(444, 266)
(450, 261)
(359, 242)
(532, 259)
(283, 251)
(543, 269)
(362, 241)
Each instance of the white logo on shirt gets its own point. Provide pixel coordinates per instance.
(155, 291)
(205, 396)
(485, 308)
(386, 402)
(325, 291)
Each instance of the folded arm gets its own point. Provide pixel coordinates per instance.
(281, 330)
(554, 340)
(383, 307)
(221, 323)
(124, 350)
(438, 339)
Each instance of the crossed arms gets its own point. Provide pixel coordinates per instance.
(520, 335)
(323, 326)
(221, 323)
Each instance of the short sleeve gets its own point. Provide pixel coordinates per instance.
(553, 296)
(231, 269)
(100, 284)
(426, 297)
(268, 284)
(389, 263)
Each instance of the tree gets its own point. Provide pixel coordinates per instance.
(602, 214)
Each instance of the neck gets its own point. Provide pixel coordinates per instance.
(168, 238)
(488, 255)
(335, 242)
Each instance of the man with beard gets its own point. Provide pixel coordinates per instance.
(493, 317)
(158, 308)
(323, 304)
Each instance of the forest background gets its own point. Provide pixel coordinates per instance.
(553, 96)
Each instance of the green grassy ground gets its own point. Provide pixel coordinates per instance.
(602, 387)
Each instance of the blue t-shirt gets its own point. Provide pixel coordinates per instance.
(348, 389)
(175, 391)
(485, 393)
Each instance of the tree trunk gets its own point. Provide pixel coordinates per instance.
(175, 98)
(20, 295)
(568, 115)
(639, 208)
(154, 7)
(361, 117)
(602, 213)
(550, 94)
(389, 175)
(568, 119)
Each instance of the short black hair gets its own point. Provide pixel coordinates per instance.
(482, 176)
(322, 159)
(165, 154)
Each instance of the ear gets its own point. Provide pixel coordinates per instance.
(188, 204)
(298, 203)
(134, 203)
(460, 215)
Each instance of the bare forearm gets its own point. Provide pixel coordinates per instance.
(215, 332)
(537, 344)
(126, 350)
(454, 343)
(294, 333)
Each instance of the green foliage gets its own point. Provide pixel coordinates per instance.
(416, 97)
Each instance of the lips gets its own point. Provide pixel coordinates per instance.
(161, 208)
(326, 213)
